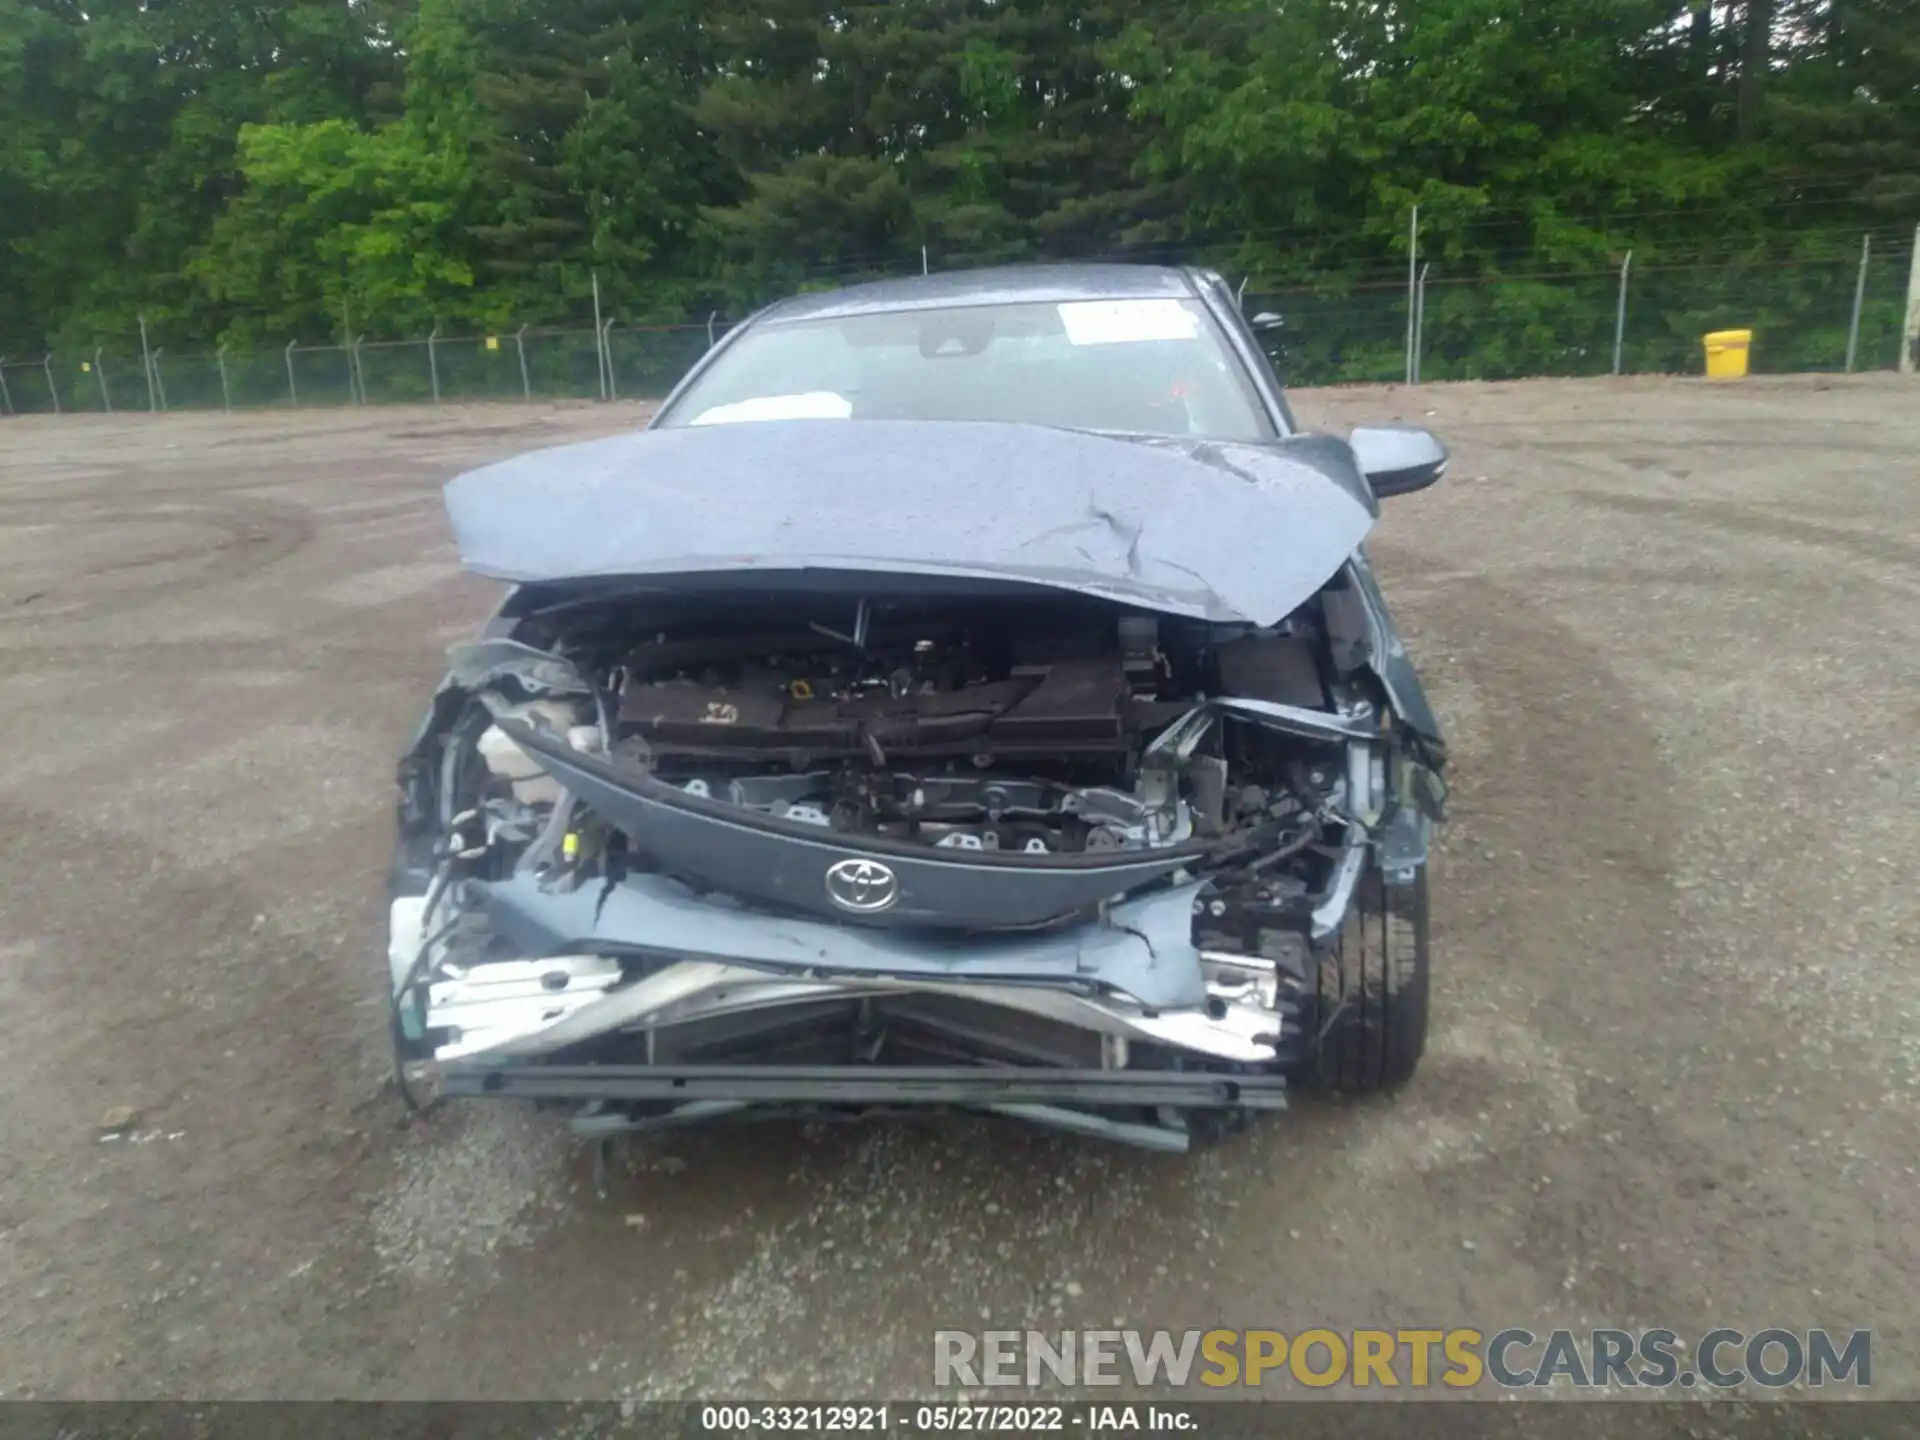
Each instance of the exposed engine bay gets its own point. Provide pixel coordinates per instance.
(830, 830)
(1008, 731)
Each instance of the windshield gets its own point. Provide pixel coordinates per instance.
(1154, 367)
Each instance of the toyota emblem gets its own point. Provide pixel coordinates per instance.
(862, 885)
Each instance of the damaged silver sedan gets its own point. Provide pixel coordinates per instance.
(968, 692)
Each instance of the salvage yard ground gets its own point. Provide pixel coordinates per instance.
(1672, 629)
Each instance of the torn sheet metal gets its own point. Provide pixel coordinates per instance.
(1144, 948)
(783, 862)
(1200, 528)
(493, 1009)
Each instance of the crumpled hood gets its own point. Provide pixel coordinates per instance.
(1207, 529)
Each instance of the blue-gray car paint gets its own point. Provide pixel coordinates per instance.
(1023, 284)
(1206, 529)
(1144, 949)
(787, 864)
(1332, 509)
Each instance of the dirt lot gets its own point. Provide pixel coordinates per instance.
(1671, 628)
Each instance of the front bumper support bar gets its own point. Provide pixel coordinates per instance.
(867, 1085)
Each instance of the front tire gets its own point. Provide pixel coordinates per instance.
(1373, 991)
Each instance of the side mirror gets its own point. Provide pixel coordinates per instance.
(1398, 459)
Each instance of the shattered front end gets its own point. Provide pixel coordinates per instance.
(848, 841)
(1053, 859)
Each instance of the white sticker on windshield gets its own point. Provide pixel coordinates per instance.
(1116, 322)
(813, 405)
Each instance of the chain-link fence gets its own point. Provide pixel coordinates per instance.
(1650, 320)
(527, 364)
(1829, 314)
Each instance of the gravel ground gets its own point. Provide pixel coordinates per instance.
(1671, 628)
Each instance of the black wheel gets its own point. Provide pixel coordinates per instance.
(1373, 991)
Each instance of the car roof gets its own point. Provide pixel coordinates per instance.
(1001, 285)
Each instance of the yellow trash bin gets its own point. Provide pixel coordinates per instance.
(1727, 354)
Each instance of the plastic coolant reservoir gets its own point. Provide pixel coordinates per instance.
(531, 784)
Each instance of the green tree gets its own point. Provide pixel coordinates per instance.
(121, 122)
(1847, 102)
(975, 128)
(578, 120)
(289, 167)
(341, 226)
